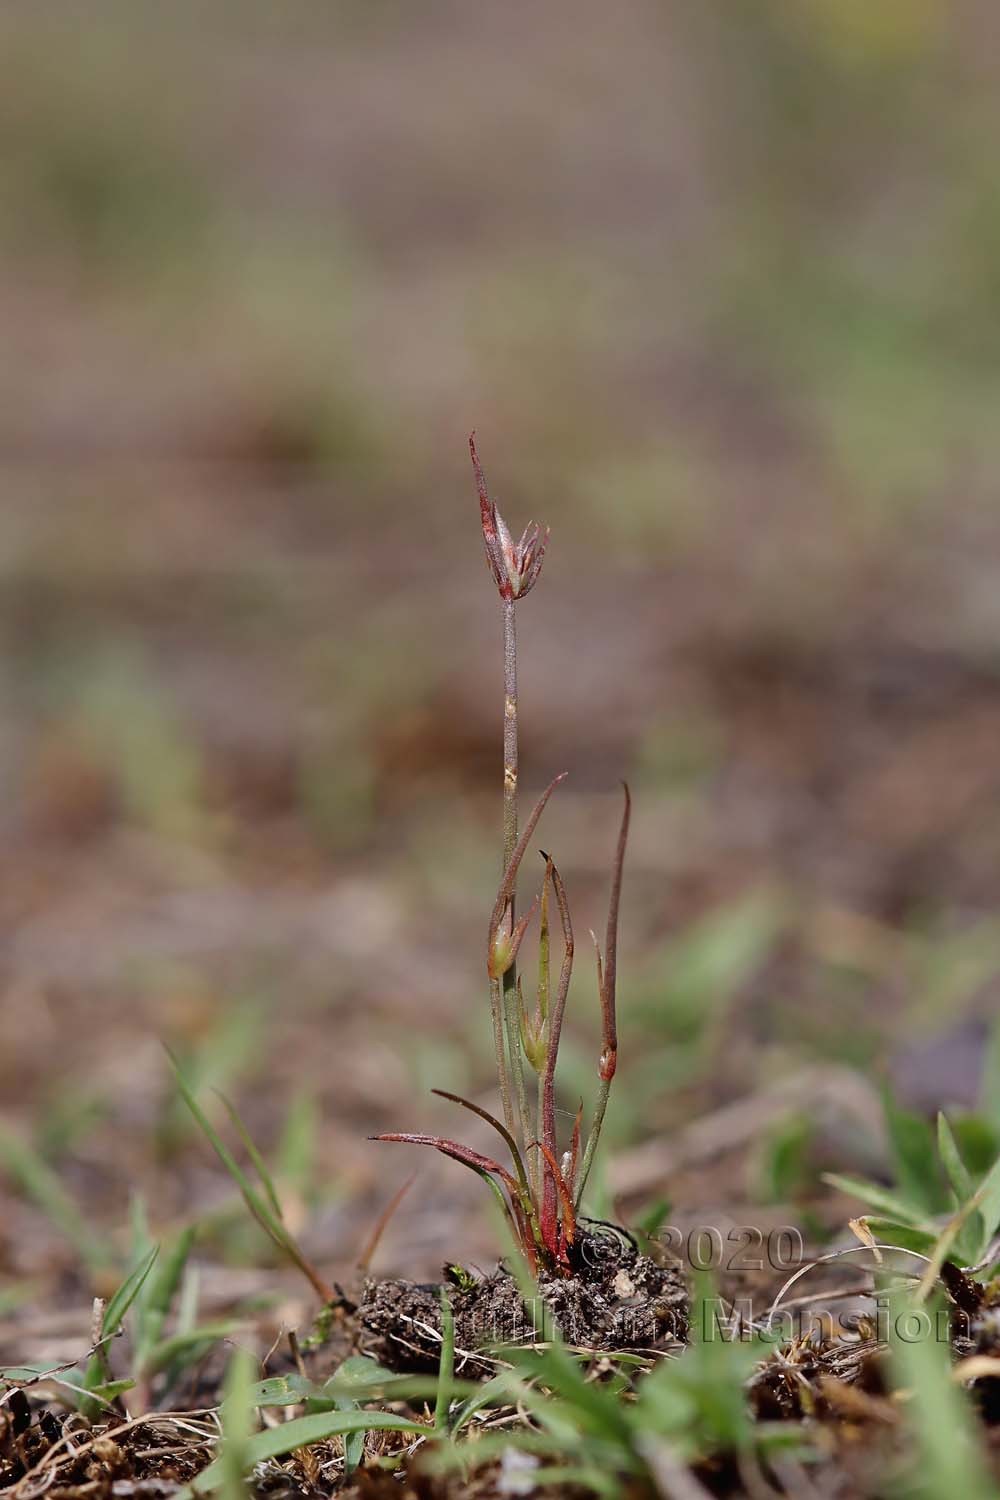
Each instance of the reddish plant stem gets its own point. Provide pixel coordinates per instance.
(555, 1243)
(607, 982)
(501, 1016)
(542, 1025)
(609, 1057)
(548, 1121)
(375, 1238)
(508, 1139)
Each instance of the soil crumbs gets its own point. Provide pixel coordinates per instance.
(839, 1393)
(615, 1300)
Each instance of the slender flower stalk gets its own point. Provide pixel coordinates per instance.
(510, 1000)
(516, 569)
(541, 1196)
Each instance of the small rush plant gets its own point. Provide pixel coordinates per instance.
(540, 1193)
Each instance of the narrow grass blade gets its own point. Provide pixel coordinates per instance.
(237, 1426)
(898, 1236)
(382, 1222)
(295, 1154)
(250, 1146)
(916, 1169)
(958, 1173)
(126, 1294)
(258, 1206)
(454, 1149)
(36, 1179)
(97, 1377)
(989, 1201)
(946, 1444)
(881, 1200)
(496, 1390)
(446, 1369)
(501, 1130)
(274, 1442)
(192, 1343)
(156, 1297)
(355, 1371)
(488, 1169)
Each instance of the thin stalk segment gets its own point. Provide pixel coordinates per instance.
(607, 978)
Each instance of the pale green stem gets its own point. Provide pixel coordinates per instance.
(600, 1110)
(537, 1160)
(499, 1047)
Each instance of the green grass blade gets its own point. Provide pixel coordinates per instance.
(255, 1203)
(191, 1344)
(157, 1296)
(126, 1294)
(189, 1301)
(260, 1165)
(274, 1442)
(141, 1244)
(911, 1142)
(650, 1220)
(882, 1200)
(352, 1382)
(295, 1155)
(958, 1173)
(237, 1427)
(258, 1206)
(355, 1372)
(495, 1390)
(110, 1390)
(97, 1376)
(989, 1201)
(32, 1174)
(901, 1236)
(446, 1369)
(950, 1458)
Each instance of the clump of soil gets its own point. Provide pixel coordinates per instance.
(615, 1299)
(65, 1456)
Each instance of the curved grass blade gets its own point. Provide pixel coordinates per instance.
(501, 1130)
(374, 1239)
(465, 1154)
(274, 1442)
(259, 1208)
(260, 1165)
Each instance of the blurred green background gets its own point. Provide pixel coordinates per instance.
(718, 285)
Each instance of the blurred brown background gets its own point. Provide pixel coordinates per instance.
(718, 287)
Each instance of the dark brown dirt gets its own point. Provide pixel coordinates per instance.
(616, 1299)
(147, 1458)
